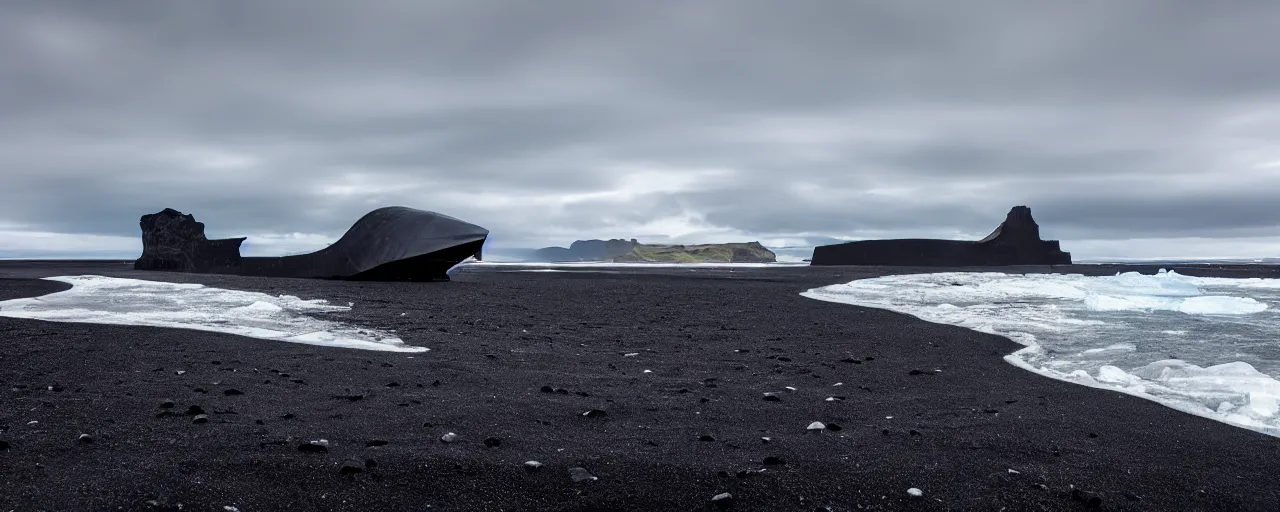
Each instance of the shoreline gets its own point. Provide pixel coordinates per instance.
(570, 330)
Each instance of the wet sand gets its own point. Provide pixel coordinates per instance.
(715, 342)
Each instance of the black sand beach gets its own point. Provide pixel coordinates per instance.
(716, 341)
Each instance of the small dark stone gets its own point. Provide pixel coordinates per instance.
(56, 388)
(595, 413)
(493, 442)
(350, 398)
(288, 416)
(774, 461)
(313, 447)
(772, 397)
(548, 389)
(884, 432)
(167, 404)
(259, 422)
(393, 384)
(200, 418)
(834, 427)
(375, 442)
(351, 467)
(915, 432)
(1093, 435)
(722, 500)
(198, 390)
(581, 393)
(785, 359)
(708, 439)
(990, 411)
(233, 392)
(704, 400)
(435, 383)
(562, 391)
(297, 381)
(194, 410)
(491, 356)
(916, 372)
(4, 445)
(215, 362)
(86, 438)
(580, 475)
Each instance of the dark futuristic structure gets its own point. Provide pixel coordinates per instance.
(1015, 242)
(387, 244)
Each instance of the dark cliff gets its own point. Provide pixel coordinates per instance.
(1016, 241)
(392, 243)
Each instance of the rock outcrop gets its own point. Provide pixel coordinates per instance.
(631, 251)
(176, 242)
(1015, 242)
(393, 243)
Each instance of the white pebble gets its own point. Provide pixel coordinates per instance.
(1015, 472)
(915, 493)
(817, 425)
(533, 464)
(837, 384)
(789, 388)
(230, 508)
(633, 354)
(648, 371)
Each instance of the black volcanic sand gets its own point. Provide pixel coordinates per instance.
(716, 341)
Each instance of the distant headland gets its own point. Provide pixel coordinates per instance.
(1016, 241)
(632, 251)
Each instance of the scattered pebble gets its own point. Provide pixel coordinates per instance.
(167, 404)
(449, 437)
(194, 410)
(723, 498)
(915, 493)
(351, 467)
(4, 445)
(772, 397)
(817, 425)
(915, 432)
(632, 354)
(230, 508)
(548, 389)
(766, 439)
(200, 418)
(837, 384)
(595, 413)
(233, 392)
(321, 446)
(774, 461)
(1011, 471)
(789, 388)
(86, 438)
(179, 372)
(708, 439)
(532, 465)
(835, 399)
(580, 475)
(648, 371)
(493, 442)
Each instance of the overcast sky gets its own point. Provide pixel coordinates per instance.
(1135, 128)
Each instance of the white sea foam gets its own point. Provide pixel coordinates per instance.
(108, 300)
(1206, 346)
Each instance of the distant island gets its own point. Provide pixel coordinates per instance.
(1016, 241)
(631, 251)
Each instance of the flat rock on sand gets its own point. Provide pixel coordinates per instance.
(714, 340)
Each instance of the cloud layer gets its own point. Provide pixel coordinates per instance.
(787, 122)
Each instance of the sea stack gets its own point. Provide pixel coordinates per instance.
(388, 244)
(1016, 241)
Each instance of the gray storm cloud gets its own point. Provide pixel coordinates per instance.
(555, 120)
